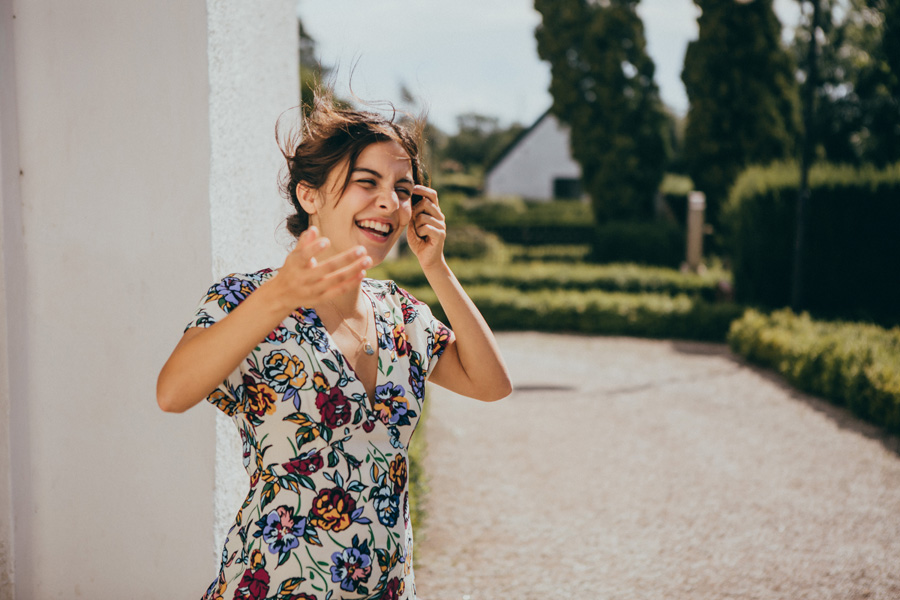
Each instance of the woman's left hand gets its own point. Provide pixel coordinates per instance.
(427, 228)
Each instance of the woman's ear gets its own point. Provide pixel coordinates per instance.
(307, 198)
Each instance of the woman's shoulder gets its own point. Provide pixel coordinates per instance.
(232, 289)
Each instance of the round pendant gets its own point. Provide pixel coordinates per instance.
(369, 350)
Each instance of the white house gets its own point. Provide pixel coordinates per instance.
(538, 165)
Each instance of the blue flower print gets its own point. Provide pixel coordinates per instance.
(385, 333)
(281, 531)
(311, 330)
(391, 405)
(387, 505)
(232, 290)
(416, 375)
(352, 566)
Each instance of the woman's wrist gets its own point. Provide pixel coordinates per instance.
(437, 268)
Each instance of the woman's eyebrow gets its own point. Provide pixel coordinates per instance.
(366, 170)
(378, 175)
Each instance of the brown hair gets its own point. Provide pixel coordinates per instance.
(329, 134)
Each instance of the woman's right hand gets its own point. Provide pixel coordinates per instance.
(205, 357)
(305, 281)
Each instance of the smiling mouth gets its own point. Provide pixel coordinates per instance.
(374, 227)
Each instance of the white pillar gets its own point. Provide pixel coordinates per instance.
(246, 212)
(10, 296)
(696, 209)
(138, 128)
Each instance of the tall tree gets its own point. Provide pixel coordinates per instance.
(602, 87)
(742, 92)
(858, 93)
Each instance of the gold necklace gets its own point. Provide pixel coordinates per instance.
(363, 340)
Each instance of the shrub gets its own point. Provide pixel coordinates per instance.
(659, 243)
(855, 365)
(533, 223)
(851, 251)
(597, 312)
(569, 253)
(555, 276)
(472, 242)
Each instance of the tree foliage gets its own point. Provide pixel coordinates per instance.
(479, 141)
(743, 97)
(857, 97)
(602, 87)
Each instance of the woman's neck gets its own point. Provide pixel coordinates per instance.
(348, 304)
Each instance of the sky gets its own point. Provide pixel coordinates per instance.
(475, 55)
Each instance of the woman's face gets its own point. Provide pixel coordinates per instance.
(376, 205)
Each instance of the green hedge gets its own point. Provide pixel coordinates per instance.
(852, 249)
(852, 364)
(568, 253)
(515, 212)
(660, 243)
(597, 312)
(565, 276)
(533, 223)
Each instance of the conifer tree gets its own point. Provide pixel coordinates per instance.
(602, 87)
(744, 106)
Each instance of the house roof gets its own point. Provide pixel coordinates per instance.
(515, 142)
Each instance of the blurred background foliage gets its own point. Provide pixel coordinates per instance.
(610, 264)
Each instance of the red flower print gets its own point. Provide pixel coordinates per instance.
(334, 408)
(306, 464)
(254, 585)
(393, 590)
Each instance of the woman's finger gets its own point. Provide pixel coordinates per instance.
(426, 219)
(430, 232)
(339, 261)
(426, 193)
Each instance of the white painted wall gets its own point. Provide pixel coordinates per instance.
(253, 77)
(143, 131)
(529, 169)
(10, 215)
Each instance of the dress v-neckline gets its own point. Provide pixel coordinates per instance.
(370, 401)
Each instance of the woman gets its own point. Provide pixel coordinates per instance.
(323, 370)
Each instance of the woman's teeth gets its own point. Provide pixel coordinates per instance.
(375, 226)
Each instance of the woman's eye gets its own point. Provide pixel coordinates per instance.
(368, 182)
(403, 192)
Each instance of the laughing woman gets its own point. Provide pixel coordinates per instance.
(323, 370)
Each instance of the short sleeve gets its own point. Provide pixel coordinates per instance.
(221, 298)
(434, 334)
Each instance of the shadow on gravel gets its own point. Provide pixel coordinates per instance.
(540, 388)
(700, 348)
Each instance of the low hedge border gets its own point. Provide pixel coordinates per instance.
(851, 364)
(563, 276)
(597, 312)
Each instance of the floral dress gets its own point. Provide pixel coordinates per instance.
(327, 513)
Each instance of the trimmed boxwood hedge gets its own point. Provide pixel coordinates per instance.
(597, 312)
(852, 246)
(563, 276)
(852, 364)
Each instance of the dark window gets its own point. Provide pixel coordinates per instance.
(567, 188)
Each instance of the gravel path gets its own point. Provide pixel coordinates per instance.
(625, 468)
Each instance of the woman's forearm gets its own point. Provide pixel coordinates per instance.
(482, 373)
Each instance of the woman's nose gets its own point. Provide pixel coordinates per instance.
(389, 199)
